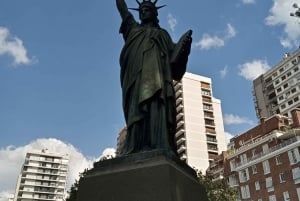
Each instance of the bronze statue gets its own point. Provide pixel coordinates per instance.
(149, 62)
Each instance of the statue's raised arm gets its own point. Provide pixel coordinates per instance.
(122, 7)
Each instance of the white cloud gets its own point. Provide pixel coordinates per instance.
(13, 46)
(231, 32)
(248, 1)
(253, 69)
(230, 119)
(228, 137)
(4, 195)
(279, 14)
(172, 22)
(13, 158)
(286, 43)
(224, 72)
(208, 42)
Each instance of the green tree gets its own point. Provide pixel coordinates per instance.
(217, 190)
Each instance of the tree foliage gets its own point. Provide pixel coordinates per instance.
(74, 188)
(217, 190)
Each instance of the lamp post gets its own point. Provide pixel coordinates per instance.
(297, 12)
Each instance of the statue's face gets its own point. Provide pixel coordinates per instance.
(147, 14)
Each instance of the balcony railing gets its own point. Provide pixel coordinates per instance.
(270, 150)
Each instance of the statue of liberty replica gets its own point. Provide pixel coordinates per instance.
(147, 167)
(149, 61)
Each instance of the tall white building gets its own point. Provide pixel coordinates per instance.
(278, 90)
(200, 131)
(43, 177)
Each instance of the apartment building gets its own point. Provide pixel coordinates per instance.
(43, 177)
(200, 135)
(264, 162)
(278, 90)
(200, 132)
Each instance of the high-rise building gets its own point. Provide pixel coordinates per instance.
(264, 162)
(278, 90)
(200, 133)
(42, 177)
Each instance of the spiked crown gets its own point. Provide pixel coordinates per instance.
(147, 3)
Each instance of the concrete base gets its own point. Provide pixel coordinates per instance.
(147, 176)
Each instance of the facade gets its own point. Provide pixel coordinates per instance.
(278, 90)
(264, 162)
(42, 178)
(200, 133)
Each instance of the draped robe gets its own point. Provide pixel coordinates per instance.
(147, 89)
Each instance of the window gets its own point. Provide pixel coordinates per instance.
(253, 153)
(245, 192)
(296, 99)
(280, 98)
(257, 185)
(296, 175)
(272, 198)
(281, 70)
(244, 175)
(265, 148)
(278, 160)
(290, 102)
(232, 165)
(285, 85)
(254, 169)
(294, 156)
(298, 193)
(278, 90)
(266, 167)
(269, 184)
(282, 177)
(286, 196)
(206, 93)
(282, 106)
(207, 107)
(283, 77)
(296, 69)
(243, 158)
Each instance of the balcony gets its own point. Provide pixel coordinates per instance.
(212, 149)
(179, 116)
(177, 86)
(179, 133)
(270, 150)
(212, 140)
(178, 93)
(183, 157)
(179, 101)
(181, 140)
(181, 149)
(179, 108)
(179, 123)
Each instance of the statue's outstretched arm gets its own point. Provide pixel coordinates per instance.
(122, 7)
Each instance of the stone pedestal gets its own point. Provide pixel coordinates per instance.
(147, 176)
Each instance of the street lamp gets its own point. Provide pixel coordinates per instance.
(297, 13)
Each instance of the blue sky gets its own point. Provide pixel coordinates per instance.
(59, 70)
